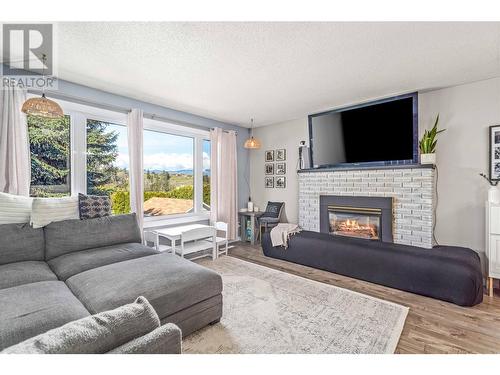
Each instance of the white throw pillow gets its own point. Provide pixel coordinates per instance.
(14, 209)
(47, 210)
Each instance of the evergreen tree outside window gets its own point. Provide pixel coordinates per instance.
(108, 163)
(50, 156)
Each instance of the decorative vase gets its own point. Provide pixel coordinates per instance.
(250, 206)
(493, 194)
(428, 158)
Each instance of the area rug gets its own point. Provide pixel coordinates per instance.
(268, 311)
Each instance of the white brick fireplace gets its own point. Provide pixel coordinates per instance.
(412, 190)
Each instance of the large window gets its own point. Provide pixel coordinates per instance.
(50, 156)
(87, 152)
(107, 163)
(168, 174)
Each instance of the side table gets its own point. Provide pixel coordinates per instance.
(248, 221)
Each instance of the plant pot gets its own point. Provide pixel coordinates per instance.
(427, 158)
(494, 194)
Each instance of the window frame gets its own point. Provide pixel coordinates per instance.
(198, 136)
(80, 113)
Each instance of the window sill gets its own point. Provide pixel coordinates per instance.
(168, 222)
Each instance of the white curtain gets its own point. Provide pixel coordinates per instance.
(136, 168)
(223, 179)
(15, 164)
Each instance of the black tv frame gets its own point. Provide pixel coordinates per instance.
(412, 161)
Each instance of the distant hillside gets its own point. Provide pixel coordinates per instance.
(180, 171)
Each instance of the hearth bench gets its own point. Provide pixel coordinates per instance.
(448, 273)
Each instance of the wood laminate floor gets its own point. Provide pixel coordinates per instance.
(432, 326)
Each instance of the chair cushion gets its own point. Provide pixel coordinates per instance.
(269, 220)
(20, 242)
(70, 264)
(272, 210)
(95, 334)
(75, 235)
(93, 206)
(30, 309)
(20, 273)
(170, 284)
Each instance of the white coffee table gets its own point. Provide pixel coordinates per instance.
(173, 234)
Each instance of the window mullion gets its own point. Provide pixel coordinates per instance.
(78, 153)
(198, 175)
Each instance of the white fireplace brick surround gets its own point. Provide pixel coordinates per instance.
(412, 190)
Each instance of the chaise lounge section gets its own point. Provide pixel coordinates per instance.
(74, 268)
(448, 273)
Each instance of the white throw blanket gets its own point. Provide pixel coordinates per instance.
(282, 232)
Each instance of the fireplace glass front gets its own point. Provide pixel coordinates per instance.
(355, 222)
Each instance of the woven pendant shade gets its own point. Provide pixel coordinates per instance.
(42, 107)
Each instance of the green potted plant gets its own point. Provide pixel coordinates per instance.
(428, 144)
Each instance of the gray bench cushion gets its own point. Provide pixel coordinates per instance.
(31, 309)
(20, 273)
(20, 242)
(169, 282)
(68, 236)
(70, 264)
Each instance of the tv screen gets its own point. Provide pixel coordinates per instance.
(383, 132)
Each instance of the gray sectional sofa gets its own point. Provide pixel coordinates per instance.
(71, 269)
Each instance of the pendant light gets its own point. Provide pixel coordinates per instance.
(42, 107)
(252, 143)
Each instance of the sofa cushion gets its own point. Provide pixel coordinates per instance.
(20, 242)
(14, 208)
(170, 284)
(75, 235)
(20, 273)
(48, 210)
(95, 334)
(70, 264)
(31, 309)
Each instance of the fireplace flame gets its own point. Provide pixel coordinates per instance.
(352, 224)
(353, 227)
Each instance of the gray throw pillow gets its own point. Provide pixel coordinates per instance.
(93, 206)
(95, 334)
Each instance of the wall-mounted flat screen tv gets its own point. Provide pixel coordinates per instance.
(384, 132)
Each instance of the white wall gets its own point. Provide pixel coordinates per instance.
(466, 111)
(286, 135)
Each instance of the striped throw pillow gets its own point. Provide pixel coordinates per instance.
(14, 209)
(47, 210)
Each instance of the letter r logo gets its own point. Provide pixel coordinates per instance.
(23, 48)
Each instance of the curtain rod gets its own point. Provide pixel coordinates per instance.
(114, 108)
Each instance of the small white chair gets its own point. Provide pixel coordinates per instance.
(220, 226)
(198, 239)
